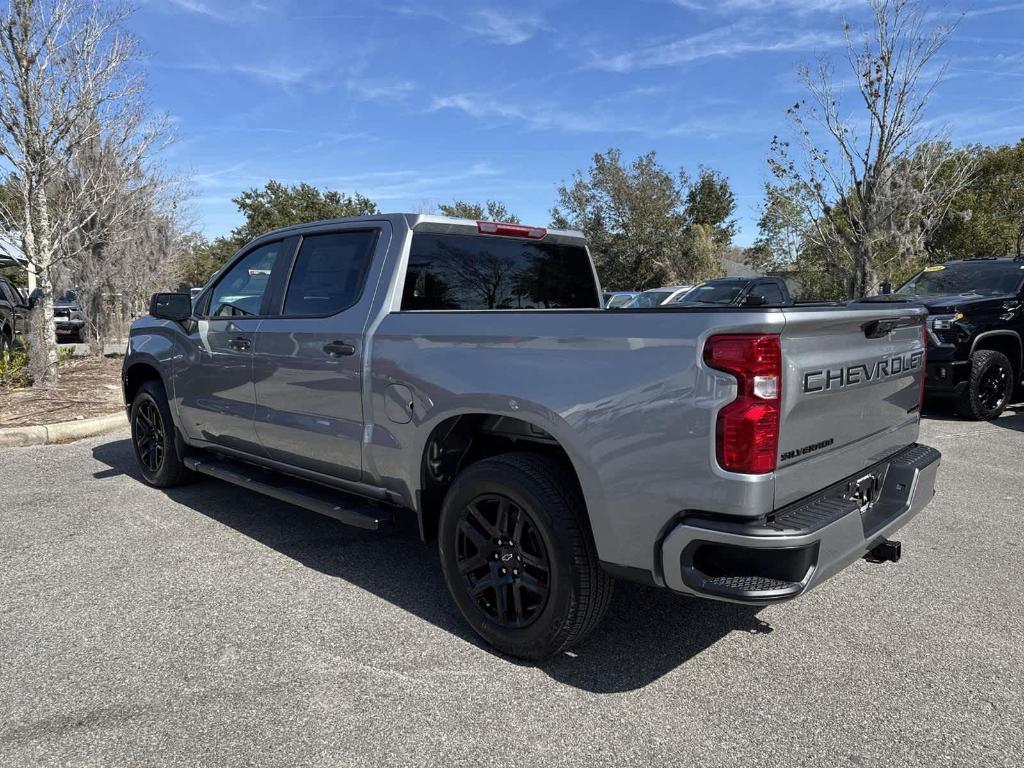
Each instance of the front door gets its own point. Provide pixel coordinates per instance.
(308, 361)
(213, 383)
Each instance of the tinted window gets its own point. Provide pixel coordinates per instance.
(7, 293)
(983, 277)
(329, 273)
(769, 291)
(716, 293)
(241, 290)
(475, 272)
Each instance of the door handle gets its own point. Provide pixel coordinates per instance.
(240, 344)
(339, 349)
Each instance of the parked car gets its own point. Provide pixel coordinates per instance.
(655, 297)
(550, 446)
(14, 313)
(68, 316)
(976, 325)
(740, 291)
(618, 299)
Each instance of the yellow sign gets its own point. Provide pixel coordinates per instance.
(936, 268)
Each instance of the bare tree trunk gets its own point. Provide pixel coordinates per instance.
(45, 359)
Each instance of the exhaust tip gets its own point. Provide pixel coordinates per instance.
(885, 551)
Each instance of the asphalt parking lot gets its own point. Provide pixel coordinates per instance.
(210, 626)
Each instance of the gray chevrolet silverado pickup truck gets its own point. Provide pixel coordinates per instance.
(464, 374)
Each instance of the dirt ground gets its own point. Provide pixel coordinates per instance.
(88, 386)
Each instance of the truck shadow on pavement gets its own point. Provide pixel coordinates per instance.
(945, 411)
(646, 634)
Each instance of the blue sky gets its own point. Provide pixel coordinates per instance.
(416, 103)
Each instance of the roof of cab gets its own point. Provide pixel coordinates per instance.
(429, 221)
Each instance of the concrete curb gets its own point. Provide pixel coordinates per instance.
(15, 437)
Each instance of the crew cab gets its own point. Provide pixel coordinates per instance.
(465, 374)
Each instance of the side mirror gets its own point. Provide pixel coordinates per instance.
(754, 300)
(33, 298)
(171, 306)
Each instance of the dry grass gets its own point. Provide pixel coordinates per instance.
(88, 386)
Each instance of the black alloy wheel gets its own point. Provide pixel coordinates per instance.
(993, 387)
(148, 433)
(517, 555)
(501, 555)
(155, 438)
(989, 386)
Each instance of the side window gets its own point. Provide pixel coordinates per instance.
(240, 292)
(329, 273)
(770, 291)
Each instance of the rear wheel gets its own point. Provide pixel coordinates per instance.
(989, 387)
(153, 438)
(517, 557)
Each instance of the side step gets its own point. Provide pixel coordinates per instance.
(346, 507)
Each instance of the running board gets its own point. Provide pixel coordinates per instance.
(346, 507)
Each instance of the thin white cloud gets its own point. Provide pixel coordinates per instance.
(766, 6)
(197, 7)
(379, 90)
(502, 27)
(741, 38)
(547, 116)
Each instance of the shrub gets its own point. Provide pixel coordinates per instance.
(14, 369)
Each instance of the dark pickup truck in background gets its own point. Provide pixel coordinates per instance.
(975, 328)
(739, 292)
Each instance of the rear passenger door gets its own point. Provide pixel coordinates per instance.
(308, 359)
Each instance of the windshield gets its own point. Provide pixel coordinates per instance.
(68, 297)
(715, 293)
(650, 298)
(983, 278)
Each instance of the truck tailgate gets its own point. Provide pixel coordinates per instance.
(851, 385)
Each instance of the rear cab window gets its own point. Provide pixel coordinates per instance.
(481, 272)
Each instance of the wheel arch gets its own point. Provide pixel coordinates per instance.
(135, 375)
(460, 439)
(1006, 341)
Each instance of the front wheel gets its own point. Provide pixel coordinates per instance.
(989, 387)
(153, 438)
(518, 558)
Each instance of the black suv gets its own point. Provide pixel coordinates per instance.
(975, 326)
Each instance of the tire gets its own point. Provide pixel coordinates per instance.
(989, 388)
(153, 438)
(6, 344)
(532, 504)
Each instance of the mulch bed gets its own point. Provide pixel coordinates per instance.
(87, 387)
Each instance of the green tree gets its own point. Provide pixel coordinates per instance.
(636, 219)
(276, 205)
(782, 229)
(987, 217)
(710, 202)
(492, 210)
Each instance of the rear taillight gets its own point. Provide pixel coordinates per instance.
(510, 230)
(748, 427)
